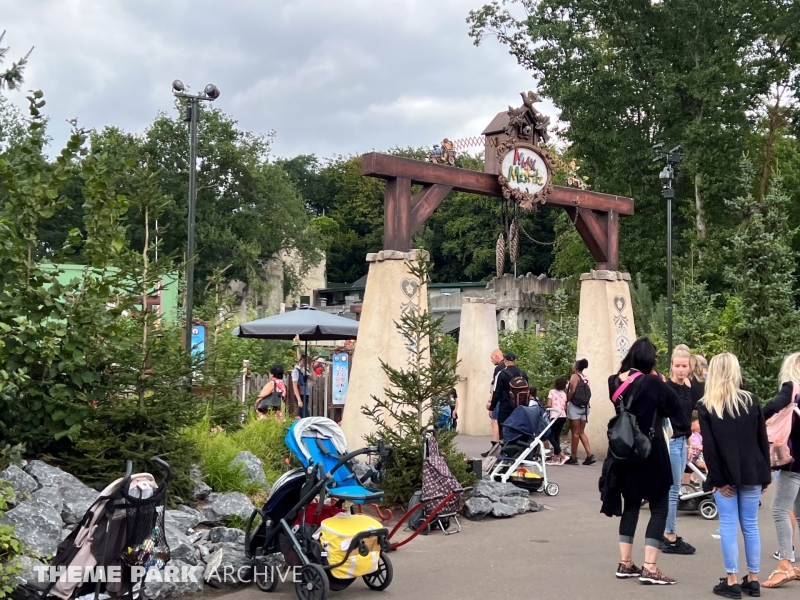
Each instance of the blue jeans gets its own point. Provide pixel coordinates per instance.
(740, 510)
(302, 411)
(677, 458)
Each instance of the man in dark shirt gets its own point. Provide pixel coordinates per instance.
(501, 397)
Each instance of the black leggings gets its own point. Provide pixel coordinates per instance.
(659, 508)
(558, 427)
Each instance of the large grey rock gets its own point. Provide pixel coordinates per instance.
(228, 567)
(198, 537)
(502, 510)
(226, 534)
(184, 520)
(250, 466)
(47, 475)
(76, 500)
(522, 505)
(51, 495)
(497, 490)
(180, 546)
(536, 506)
(32, 575)
(36, 524)
(22, 483)
(477, 508)
(201, 488)
(227, 505)
(177, 579)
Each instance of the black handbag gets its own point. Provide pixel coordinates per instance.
(626, 442)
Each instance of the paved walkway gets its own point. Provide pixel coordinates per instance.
(566, 552)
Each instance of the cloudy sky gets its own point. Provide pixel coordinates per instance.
(330, 76)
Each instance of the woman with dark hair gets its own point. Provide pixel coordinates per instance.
(272, 394)
(625, 485)
(578, 395)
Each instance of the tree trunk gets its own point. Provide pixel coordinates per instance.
(698, 205)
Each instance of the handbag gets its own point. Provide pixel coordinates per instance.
(626, 442)
(779, 428)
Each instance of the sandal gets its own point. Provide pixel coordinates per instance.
(787, 577)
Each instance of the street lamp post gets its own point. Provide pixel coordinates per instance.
(210, 93)
(667, 178)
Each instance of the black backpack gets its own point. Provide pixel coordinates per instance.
(519, 391)
(583, 393)
(626, 442)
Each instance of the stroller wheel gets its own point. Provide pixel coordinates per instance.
(445, 523)
(708, 508)
(551, 489)
(425, 530)
(313, 584)
(264, 577)
(382, 577)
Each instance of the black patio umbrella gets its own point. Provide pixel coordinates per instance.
(305, 323)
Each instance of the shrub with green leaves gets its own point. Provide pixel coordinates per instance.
(217, 447)
(10, 547)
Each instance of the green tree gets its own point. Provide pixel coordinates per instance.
(762, 271)
(627, 74)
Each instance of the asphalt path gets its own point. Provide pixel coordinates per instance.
(568, 551)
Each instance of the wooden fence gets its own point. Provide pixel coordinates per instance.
(320, 393)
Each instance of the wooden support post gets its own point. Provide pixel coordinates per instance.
(397, 214)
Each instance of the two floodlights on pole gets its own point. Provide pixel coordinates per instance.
(209, 93)
(667, 179)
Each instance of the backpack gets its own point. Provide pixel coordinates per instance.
(779, 428)
(519, 391)
(583, 393)
(626, 442)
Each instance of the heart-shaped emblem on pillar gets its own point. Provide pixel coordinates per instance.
(410, 287)
(619, 303)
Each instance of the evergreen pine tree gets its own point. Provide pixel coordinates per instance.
(762, 273)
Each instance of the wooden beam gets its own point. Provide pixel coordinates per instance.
(388, 167)
(424, 202)
(592, 234)
(396, 214)
(613, 240)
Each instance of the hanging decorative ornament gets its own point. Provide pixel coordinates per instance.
(500, 254)
(513, 242)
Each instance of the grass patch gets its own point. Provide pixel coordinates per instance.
(217, 448)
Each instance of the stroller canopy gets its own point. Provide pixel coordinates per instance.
(314, 427)
(526, 423)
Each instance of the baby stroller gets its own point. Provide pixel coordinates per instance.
(693, 497)
(437, 484)
(124, 528)
(330, 547)
(521, 459)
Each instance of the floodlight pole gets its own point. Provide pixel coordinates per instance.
(210, 93)
(667, 178)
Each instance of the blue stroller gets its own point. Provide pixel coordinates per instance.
(295, 518)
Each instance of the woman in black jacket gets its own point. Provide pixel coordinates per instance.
(650, 479)
(736, 451)
(787, 486)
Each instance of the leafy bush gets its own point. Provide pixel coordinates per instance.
(10, 547)
(217, 448)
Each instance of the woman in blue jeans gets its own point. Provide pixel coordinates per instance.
(736, 450)
(679, 385)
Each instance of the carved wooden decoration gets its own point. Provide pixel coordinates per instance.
(526, 172)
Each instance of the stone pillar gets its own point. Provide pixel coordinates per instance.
(391, 290)
(605, 333)
(476, 339)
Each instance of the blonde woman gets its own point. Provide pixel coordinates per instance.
(697, 375)
(787, 486)
(679, 385)
(736, 450)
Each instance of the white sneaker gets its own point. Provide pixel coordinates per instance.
(777, 555)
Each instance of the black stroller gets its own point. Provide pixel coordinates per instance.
(122, 530)
(292, 520)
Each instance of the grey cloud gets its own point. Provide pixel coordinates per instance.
(343, 76)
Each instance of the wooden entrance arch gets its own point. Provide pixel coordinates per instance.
(596, 215)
